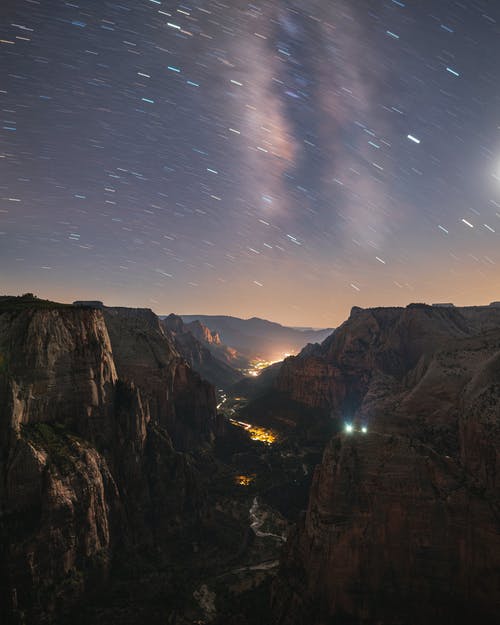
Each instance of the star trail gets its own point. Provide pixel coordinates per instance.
(282, 159)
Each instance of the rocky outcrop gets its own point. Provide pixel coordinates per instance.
(403, 522)
(147, 355)
(97, 413)
(201, 348)
(60, 507)
(57, 363)
(201, 332)
(379, 341)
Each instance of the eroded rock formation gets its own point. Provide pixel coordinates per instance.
(403, 523)
(203, 350)
(97, 411)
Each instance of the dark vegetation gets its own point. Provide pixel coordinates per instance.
(57, 441)
(28, 301)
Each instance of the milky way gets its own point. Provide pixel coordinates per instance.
(281, 159)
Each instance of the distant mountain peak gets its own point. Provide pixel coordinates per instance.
(259, 338)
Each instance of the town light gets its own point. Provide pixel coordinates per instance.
(348, 428)
(364, 429)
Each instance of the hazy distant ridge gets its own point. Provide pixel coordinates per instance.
(267, 339)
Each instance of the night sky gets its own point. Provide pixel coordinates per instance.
(281, 159)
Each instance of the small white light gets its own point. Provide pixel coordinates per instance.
(348, 428)
(364, 429)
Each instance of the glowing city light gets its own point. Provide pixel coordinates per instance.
(257, 366)
(364, 429)
(244, 480)
(348, 428)
(256, 432)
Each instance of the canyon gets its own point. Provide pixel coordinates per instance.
(130, 489)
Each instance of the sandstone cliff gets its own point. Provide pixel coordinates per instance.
(389, 341)
(402, 525)
(202, 349)
(201, 332)
(177, 398)
(97, 409)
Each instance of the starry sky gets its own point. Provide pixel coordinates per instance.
(282, 159)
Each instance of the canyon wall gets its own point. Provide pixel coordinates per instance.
(403, 522)
(97, 417)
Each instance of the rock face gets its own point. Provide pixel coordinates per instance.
(403, 523)
(202, 333)
(202, 349)
(57, 363)
(177, 398)
(384, 341)
(97, 411)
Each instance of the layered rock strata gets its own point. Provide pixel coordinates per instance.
(98, 411)
(403, 522)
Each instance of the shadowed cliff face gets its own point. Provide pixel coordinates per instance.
(177, 398)
(202, 349)
(394, 533)
(59, 363)
(96, 411)
(202, 333)
(403, 521)
(385, 341)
